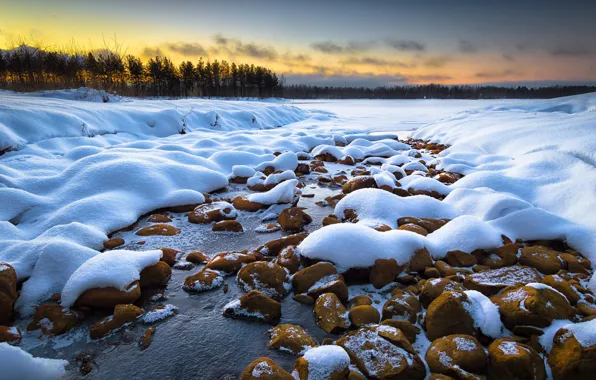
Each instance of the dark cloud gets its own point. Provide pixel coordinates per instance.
(495, 74)
(405, 45)
(190, 49)
(151, 52)
(436, 62)
(328, 47)
(467, 47)
(373, 61)
(576, 51)
(234, 46)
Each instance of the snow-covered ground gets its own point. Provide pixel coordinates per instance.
(76, 169)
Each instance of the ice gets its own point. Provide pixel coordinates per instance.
(18, 364)
(118, 269)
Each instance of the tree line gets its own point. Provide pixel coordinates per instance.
(26, 68)
(433, 91)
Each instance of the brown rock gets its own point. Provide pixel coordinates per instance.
(241, 203)
(288, 259)
(329, 362)
(227, 226)
(508, 359)
(169, 256)
(254, 305)
(212, 212)
(108, 298)
(158, 230)
(364, 315)
(293, 219)
(457, 356)
(303, 298)
(502, 256)
(359, 300)
(346, 160)
(332, 283)
(569, 359)
(383, 272)
(491, 282)
(444, 269)
(11, 335)
(113, 243)
(531, 306)
(575, 264)
(122, 314)
(402, 305)
(292, 338)
(267, 277)
(420, 261)
(8, 291)
(147, 338)
(265, 369)
(155, 275)
(53, 319)
(545, 260)
(413, 228)
(460, 259)
(435, 287)
(328, 220)
(304, 279)
(432, 272)
(330, 314)
(357, 183)
(274, 247)
(159, 218)
(566, 287)
(448, 315)
(229, 262)
(383, 352)
(202, 281)
(406, 327)
(197, 258)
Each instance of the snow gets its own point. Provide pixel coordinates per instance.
(118, 269)
(159, 314)
(18, 364)
(282, 193)
(485, 314)
(584, 332)
(324, 360)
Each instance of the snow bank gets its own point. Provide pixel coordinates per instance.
(324, 360)
(18, 364)
(116, 269)
(485, 314)
(282, 193)
(478, 221)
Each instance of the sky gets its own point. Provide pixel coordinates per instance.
(332, 42)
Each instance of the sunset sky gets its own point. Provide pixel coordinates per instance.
(335, 42)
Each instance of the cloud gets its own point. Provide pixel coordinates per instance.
(437, 62)
(150, 52)
(467, 47)
(233, 47)
(495, 74)
(577, 51)
(189, 49)
(328, 47)
(405, 45)
(373, 61)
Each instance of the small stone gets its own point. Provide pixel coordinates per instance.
(413, 228)
(155, 275)
(508, 359)
(325, 362)
(159, 218)
(11, 335)
(456, 355)
(364, 315)
(383, 272)
(460, 259)
(545, 260)
(158, 230)
(147, 338)
(304, 279)
(330, 314)
(291, 338)
(265, 369)
(202, 281)
(212, 212)
(113, 243)
(197, 258)
(254, 305)
(227, 226)
(122, 314)
(420, 261)
(293, 219)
